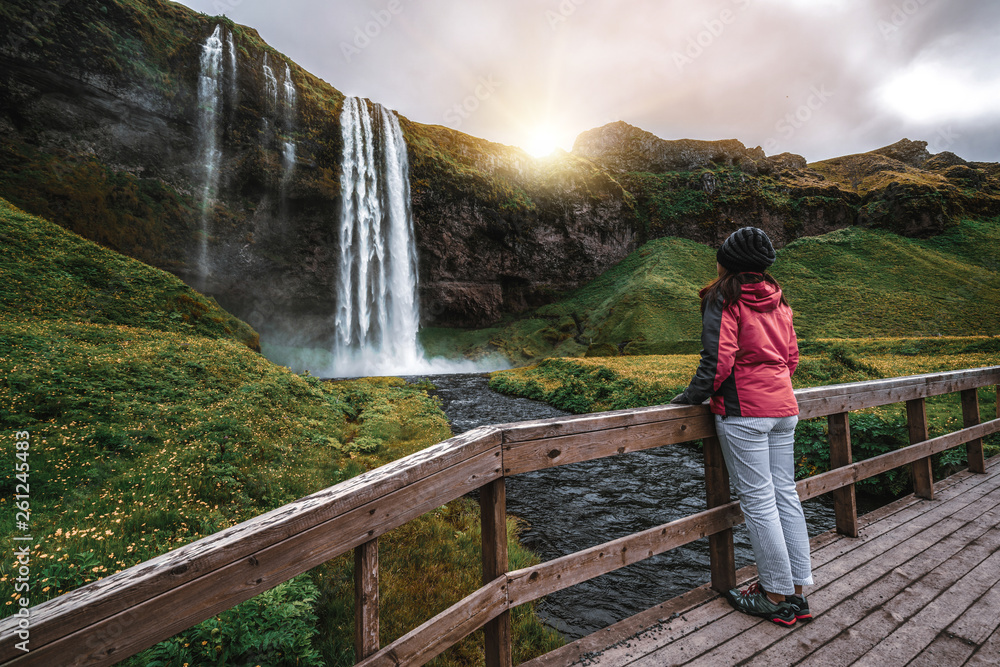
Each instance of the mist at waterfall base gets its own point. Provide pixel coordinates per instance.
(376, 317)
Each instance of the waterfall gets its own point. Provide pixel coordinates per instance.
(209, 99)
(288, 150)
(377, 316)
(270, 83)
(233, 84)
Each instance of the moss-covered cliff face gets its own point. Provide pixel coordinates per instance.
(499, 231)
(703, 190)
(99, 132)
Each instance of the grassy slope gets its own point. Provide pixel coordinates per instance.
(51, 274)
(852, 283)
(150, 430)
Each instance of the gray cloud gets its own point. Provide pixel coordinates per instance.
(806, 76)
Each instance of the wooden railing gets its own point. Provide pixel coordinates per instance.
(120, 615)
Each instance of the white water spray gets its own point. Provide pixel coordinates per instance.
(376, 317)
(270, 83)
(377, 313)
(233, 84)
(288, 150)
(209, 102)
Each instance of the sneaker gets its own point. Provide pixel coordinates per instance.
(801, 607)
(755, 602)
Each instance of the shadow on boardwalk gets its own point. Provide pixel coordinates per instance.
(917, 587)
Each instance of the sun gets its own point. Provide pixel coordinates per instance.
(541, 143)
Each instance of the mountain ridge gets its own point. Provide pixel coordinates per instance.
(99, 112)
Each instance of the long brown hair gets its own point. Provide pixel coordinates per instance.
(730, 286)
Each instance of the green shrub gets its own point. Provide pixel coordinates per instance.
(275, 628)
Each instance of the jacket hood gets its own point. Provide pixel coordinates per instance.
(762, 296)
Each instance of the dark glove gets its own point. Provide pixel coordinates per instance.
(680, 399)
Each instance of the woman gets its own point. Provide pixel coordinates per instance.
(749, 355)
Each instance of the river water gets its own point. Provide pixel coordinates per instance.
(572, 507)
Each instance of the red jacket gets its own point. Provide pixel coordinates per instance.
(748, 357)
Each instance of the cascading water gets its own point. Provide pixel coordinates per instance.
(376, 317)
(270, 83)
(377, 311)
(288, 150)
(209, 101)
(233, 84)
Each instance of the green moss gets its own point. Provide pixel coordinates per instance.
(52, 274)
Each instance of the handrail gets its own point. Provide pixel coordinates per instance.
(120, 615)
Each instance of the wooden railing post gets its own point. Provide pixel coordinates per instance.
(722, 557)
(922, 475)
(970, 417)
(493, 510)
(366, 629)
(845, 505)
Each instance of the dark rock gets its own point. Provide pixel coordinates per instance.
(912, 153)
(621, 147)
(942, 161)
(786, 161)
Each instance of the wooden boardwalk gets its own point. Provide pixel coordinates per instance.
(917, 587)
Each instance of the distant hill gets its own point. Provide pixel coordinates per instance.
(851, 283)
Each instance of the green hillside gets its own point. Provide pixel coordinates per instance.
(153, 423)
(49, 273)
(851, 283)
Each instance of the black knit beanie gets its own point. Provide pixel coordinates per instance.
(746, 249)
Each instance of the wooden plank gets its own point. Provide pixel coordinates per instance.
(813, 402)
(555, 427)
(722, 558)
(520, 457)
(432, 638)
(146, 622)
(594, 646)
(921, 472)
(830, 399)
(944, 650)
(493, 510)
(980, 620)
(366, 603)
(862, 581)
(874, 611)
(858, 583)
(845, 505)
(968, 495)
(988, 655)
(77, 609)
(831, 545)
(833, 479)
(678, 618)
(970, 417)
(924, 621)
(533, 582)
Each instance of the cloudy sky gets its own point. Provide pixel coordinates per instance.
(820, 78)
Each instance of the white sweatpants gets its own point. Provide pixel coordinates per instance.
(760, 457)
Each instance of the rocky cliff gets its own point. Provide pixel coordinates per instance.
(703, 190)
(101, 131)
